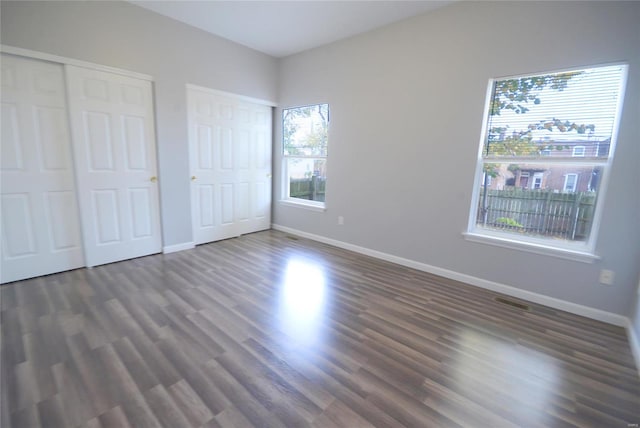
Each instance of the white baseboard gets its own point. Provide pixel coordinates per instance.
(178, 247)
(574, 308)
(634, 343)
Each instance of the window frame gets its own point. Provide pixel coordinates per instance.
(566, 181)
(284, 159)
(537, 176)
(579, 155)
(581, 251)
(488, 178)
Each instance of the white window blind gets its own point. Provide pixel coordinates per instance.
(530, 114)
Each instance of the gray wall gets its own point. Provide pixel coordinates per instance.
(406, 108)
(122, 35)
(406, 113)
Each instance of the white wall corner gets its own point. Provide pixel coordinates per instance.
(574, 308)
(178, 247)
(634, 342)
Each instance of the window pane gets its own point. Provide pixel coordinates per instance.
(554, 200)
(558, 114)
(307, 178)
(580, 151)
(305, 130)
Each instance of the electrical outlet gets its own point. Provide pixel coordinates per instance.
(606, 277)
(340, 220)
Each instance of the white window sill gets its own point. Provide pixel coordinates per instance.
(578, 255)
(307, 205)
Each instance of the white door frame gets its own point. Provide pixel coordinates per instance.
(64, 61)
(237, 227)
(28, 53)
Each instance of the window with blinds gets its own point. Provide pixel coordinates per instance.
(545, 153)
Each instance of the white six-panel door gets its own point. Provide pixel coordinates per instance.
(40, 227)
(230, 159)
(114, 151)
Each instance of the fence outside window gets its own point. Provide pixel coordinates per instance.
(312, 188)
(545, 213)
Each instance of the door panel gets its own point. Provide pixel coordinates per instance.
(115, 159)
(11, 141)
(230, 158)
(243, 201)
(64, 224)
(141, 217)
(18, 233)
(261, 204)
(134, 141)
(52, 138)
(97, 138)
(40, 229)
(107, 224)
(226, 203)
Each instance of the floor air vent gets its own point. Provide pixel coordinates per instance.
(512, 303)
(293, 238)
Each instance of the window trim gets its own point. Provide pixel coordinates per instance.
(301, 203)
(486, 177)
(495, 238)
(583, 252)
(584, 152)
(537, 176)
(566, 180)
(285, 199)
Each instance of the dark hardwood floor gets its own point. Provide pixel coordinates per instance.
(267, 330)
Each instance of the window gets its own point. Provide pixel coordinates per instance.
(579, 151)
(304, 141)
(541, 133)
(537, 180)
(570, 182)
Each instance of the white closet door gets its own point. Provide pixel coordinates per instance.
(115, 158)
(40, 228)
(230, 158)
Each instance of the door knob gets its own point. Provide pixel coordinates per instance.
(154, 179)
(193, 178)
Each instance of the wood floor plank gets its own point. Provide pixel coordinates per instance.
(114, 418)
(77, 403)
(208, 391)
(52, 412)
(231, 418)
(269, 331)
(141, 373)
(165, 408)
(26, 417)
(190, 403)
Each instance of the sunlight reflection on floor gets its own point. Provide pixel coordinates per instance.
(522, 379)
(303, 301)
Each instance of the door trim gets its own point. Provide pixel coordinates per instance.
(261, 104)
(178, 247)
(70, 61)
(232, 95)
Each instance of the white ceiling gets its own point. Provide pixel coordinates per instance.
(281, 28)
